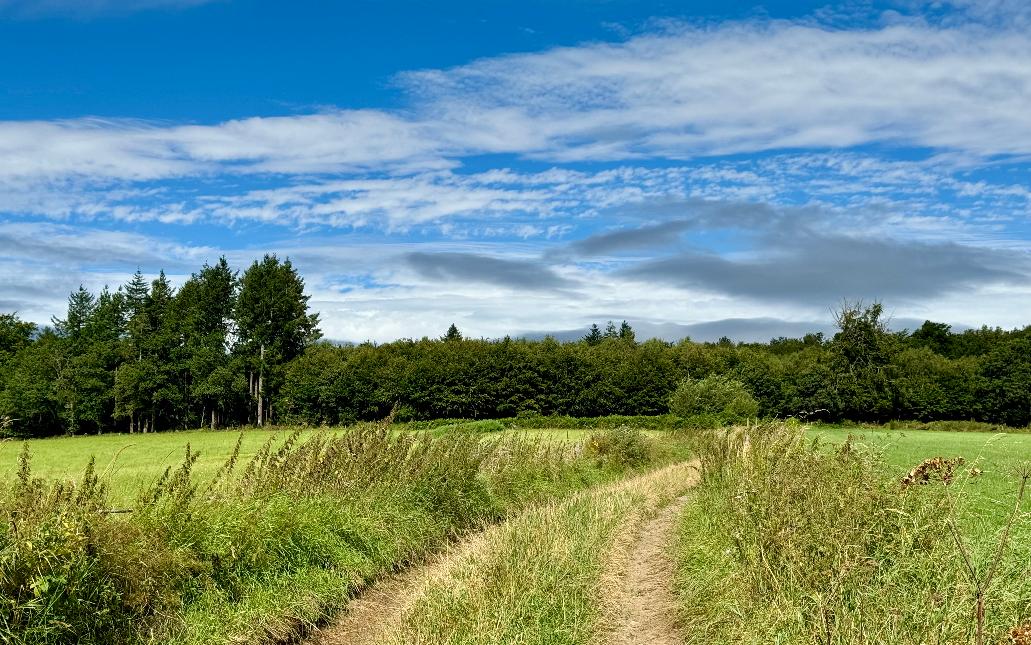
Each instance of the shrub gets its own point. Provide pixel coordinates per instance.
(626, 447)
(715, 395)
(485, 425)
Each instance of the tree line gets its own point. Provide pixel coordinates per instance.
(228, 349)
(146, 357)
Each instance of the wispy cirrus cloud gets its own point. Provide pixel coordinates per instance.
(133, 150)
(682, 93)
(746, 87)
(88, 8)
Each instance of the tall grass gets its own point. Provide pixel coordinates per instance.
(539, 578)
(789, 541)
(266, 547)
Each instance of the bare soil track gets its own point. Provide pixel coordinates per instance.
(637, 599)
(370, 618)
(644, 602)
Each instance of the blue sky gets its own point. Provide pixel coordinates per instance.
(522, 167)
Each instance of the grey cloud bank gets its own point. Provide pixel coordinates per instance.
(470, 267)
(745, 330)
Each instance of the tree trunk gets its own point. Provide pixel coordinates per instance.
(261, 387)
(212, 418)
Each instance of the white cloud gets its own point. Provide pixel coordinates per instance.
(745, 87)
(682, 93)
(106, 150)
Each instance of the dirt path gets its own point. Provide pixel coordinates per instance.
(371, 617)
(637, 585)
(644, 604)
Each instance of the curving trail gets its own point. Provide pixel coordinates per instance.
(636, 589)
(370, 618)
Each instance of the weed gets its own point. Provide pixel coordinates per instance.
(790, 540)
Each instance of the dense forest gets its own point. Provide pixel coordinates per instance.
(228, 349)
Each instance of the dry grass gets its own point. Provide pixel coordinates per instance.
(539, 577)
(796, 542)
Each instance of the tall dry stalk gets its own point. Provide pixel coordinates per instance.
(982, 586)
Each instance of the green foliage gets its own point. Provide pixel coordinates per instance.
(265, 545)
(793, 541)
(717, 396)
(15, 334)
(224, 348)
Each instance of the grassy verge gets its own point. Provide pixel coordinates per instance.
(539, 577)
(263, 547)
(131, 462)
(789, 541)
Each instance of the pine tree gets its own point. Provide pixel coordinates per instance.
(626, 332)
(84, 365)
(593, 336)
(452, 334)
(274, 325)
(81, 304)
(204, 311)
(133, 380)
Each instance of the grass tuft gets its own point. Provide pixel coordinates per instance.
(790, 540)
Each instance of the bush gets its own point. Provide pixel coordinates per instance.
(485, 425)
(624, 446)
(714, 395)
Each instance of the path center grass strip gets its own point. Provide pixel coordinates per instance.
(540, 577)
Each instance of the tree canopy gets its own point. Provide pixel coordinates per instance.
(230, 349)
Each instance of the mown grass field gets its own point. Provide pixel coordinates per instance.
(132, 462)
(984, 501)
